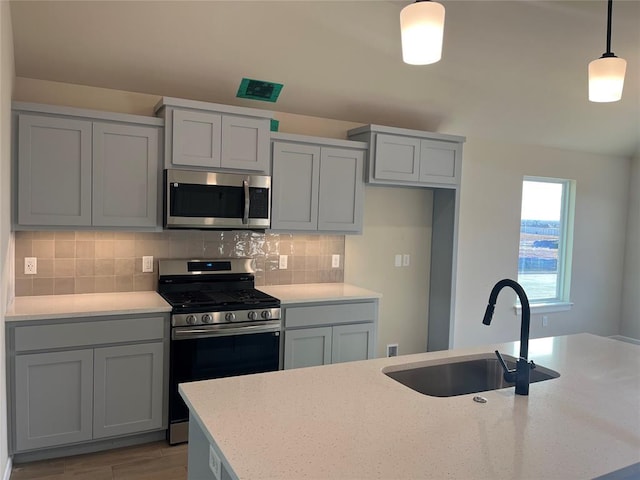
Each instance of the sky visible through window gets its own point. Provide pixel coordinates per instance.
(540, 229)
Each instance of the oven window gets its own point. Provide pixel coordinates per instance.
(217, 357)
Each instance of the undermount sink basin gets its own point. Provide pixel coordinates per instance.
(460, 375)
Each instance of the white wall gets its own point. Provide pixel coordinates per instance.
(7, 74)
(489, 233)
(396, 220)
(630, 324)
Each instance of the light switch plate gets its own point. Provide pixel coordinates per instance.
(284, 260)
(398, 260)
(147, 264)
(335, 261)
(405, 260)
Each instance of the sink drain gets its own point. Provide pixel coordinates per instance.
(479, 399)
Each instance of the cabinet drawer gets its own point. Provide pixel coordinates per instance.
(330, 314)
(78, 334)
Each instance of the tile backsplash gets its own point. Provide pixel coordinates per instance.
(88, 262)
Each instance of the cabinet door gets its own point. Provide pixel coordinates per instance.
(440, 162)
(352, 342)
(128, 387)
(294, 196)
(397, 158)
(307, 347)
(341, 190)
(196, 139)
(245, 143)
(125, 175)
(53, 398)
(54, 171)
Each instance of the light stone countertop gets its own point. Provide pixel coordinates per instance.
(44, 307)
(350, 421)
(318, 292)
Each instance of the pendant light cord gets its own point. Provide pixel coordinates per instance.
(608, 53)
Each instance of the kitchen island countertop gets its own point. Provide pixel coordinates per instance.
(350, 421)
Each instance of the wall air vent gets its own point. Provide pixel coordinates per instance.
(259, 90)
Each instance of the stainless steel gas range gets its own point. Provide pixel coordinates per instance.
(221, 326)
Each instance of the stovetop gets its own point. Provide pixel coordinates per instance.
(203, 300)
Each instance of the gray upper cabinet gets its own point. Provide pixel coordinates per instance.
(125, 175)
(317, 184)
(82, 168)
(54, 171)
(295, 180)
(404, 157)
(398, 158)
(197, 139)
(211, 136)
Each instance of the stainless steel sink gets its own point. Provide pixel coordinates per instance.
(460, 375)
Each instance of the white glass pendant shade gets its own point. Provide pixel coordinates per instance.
(422, 28)
(606, 79)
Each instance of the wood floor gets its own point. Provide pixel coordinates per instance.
(152, 461)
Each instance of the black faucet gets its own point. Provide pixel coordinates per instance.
(521, 373)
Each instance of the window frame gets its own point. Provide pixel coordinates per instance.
(561, 301)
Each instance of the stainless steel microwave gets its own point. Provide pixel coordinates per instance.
(207, 200)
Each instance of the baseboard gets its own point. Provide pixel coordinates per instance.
(7, 471)
(622, 338)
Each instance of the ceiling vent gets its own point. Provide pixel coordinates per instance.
(259, 90)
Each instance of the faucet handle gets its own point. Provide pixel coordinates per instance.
(509, 375)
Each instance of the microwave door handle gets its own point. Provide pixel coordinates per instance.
(245, 217)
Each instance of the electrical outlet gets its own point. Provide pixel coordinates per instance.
(405, 260)
(335, 261)
(284, 260)
(147, 264)
(398, 260)
(392, 350)
(30, 265)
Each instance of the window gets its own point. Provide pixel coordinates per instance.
(546, 231)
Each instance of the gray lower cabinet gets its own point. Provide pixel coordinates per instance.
(400, 156)
(307, 347)
(202, 135)
(324, 333)
(83, 391)
(127, 386)
(53, 399)
(317, 184)
(81, 168)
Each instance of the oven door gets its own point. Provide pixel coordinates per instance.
(195, 199)
(207, 352)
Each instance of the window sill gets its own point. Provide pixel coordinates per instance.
(542, 308)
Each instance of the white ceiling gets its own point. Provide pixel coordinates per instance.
(511, 70)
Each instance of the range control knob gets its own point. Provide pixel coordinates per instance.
(252, 315)
(230, 317)
(266, 314)
(207, 318)
(191, 320)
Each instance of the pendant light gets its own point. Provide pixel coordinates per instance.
(422, 27)
(606, 74)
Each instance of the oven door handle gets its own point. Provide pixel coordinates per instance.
(247, 202)
(189, 333)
